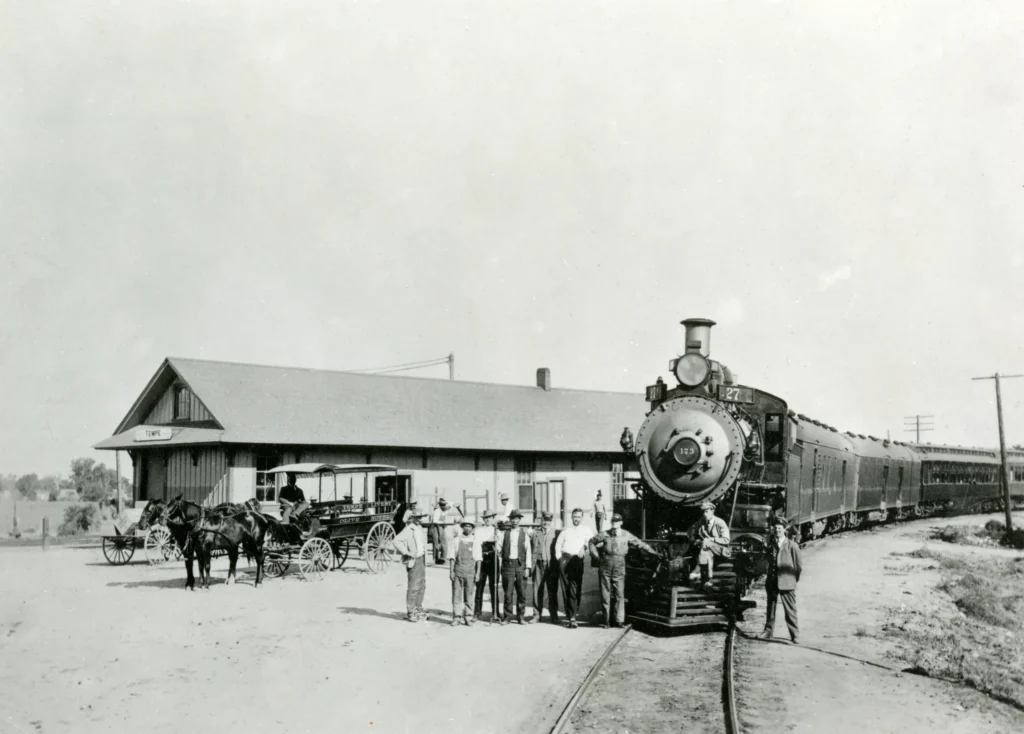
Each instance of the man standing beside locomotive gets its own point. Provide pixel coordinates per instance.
(783, 574)
(462, 553)
(486, 571)
(570, 548)
(713, 538)
(545, 573)
(611, 547)
(516, 563)
(411, 543)
(599, 512)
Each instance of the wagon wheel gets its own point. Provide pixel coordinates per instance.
(377, 549)
(160, 546)
(315, 558)
(119, 550)
(276, 559)
(341, 548)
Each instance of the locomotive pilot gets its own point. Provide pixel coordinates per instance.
(462, 555)
(611, 547)
(712, 540)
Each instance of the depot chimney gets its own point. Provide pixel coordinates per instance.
(698, 335)
(544, 378)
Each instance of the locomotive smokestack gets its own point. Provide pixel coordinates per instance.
(698, 335)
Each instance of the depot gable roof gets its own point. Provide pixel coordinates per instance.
(258, 404)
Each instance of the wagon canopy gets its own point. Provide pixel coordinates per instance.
(314, 469)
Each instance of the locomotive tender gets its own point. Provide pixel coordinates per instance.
(743, 449)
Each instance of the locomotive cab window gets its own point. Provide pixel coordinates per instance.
(773, 437)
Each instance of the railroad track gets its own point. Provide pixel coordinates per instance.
(595, 707)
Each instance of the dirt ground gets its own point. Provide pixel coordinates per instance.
(89, 647)
(849, 587)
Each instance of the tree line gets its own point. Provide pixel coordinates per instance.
(91, 482)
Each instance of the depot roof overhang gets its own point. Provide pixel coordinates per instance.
(141, 437)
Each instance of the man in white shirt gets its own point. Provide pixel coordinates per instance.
(437, 534)
(570, 549)
(486, 566)
(599, 511)
(516, 563)
(412, 544)
(505, 513)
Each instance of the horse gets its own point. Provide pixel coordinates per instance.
(226, 532)
(181, 516)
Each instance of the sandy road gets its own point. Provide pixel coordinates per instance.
(91, 647)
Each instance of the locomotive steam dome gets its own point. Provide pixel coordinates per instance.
(689, 448)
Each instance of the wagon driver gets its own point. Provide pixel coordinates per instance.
(292, 499)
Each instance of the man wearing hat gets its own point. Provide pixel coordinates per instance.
(486, 566)
(409, 511)
(713, 540)
(516, 563)
(611, 548)
(462, 571)
(412, 544)
(783, 574)
(599, 512)
(437, 531)
(505, 513)
(545, 575)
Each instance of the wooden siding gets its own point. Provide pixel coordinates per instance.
(163, 412)
(206, 481)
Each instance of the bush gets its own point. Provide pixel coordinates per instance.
(1015, 539)
(78, 519)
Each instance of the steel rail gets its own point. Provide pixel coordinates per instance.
(732, 721)
(563, 719)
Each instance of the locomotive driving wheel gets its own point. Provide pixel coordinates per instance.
(315, 558)
(377, 549)
(276, 559)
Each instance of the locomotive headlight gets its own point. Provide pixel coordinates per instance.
(692, 370)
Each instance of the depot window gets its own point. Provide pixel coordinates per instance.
(182, 403)
(525, 470)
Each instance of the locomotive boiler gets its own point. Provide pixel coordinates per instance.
(711, 439)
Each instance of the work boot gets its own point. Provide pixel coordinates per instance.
(455, 622)
(765, 635)
(519, 619)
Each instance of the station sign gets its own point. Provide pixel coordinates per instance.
(153, 434)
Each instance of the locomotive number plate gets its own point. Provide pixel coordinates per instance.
(733, 394)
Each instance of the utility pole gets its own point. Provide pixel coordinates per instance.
(913, 423)
(1004, 470)
(451, 365)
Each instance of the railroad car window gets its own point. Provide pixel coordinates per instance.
(899, 479)
(182, 403)
(885, 477)
(844, 473)
(773, 436)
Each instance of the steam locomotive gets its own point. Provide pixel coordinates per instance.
(709, 439)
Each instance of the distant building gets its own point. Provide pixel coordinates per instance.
(211, 430)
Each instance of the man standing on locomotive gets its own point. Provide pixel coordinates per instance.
(570, 549)
(463, 559)
(611, 547)
(783, 574)
(713, 540)
(411, 543)
(292, 500)
(486, 571)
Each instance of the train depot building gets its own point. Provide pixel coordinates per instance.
(211, 430)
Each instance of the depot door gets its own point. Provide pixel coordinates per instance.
(155, 476)
(556, 501)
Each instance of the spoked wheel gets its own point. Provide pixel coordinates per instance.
(377, 548)
(341, 549)
(276, 559)
(315, 558)
(118, 550)
(160, 546)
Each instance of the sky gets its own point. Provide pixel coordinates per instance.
(347, 185)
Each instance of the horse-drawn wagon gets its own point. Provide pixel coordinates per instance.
(156, 542)
(320, 539)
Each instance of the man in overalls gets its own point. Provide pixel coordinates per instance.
(611, 547)
(462, 571)
(486, 566)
